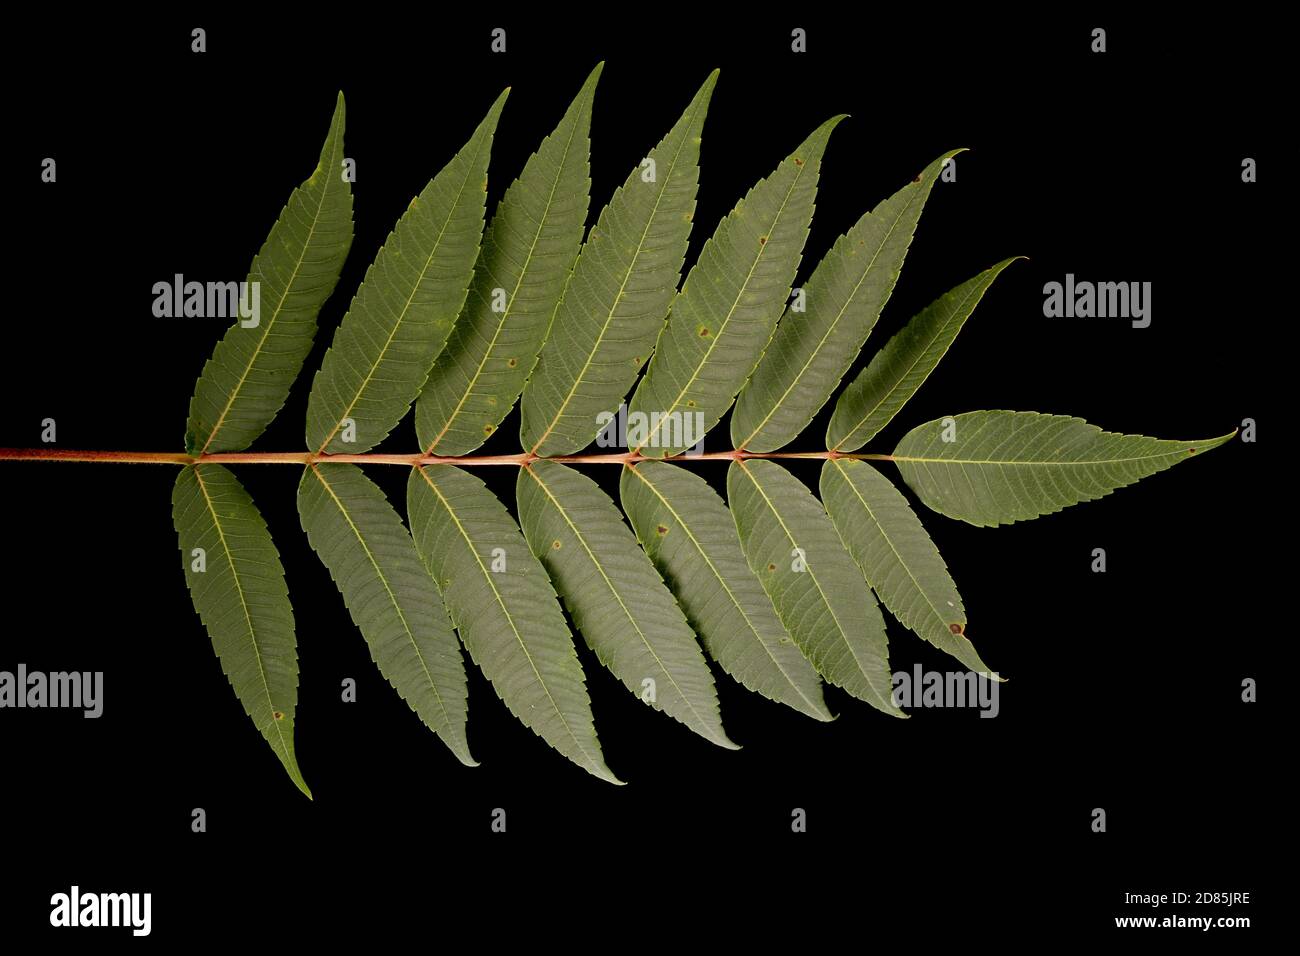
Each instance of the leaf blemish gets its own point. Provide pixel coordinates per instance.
(555, 545)
(771, 567)
(661, 530)
(704, 333)
(277, 715)
(955, 628)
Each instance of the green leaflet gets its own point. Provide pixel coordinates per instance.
(618, 295)
(527, 254)
(723, 317)
(615, 596)
(402, 314)
(691, 537)
(897, 370)
(247, 380)
(996, 467)
(900, 562)
(502, 603)
(242, 599)
(811, 350)
(390, 595)
(818, 590)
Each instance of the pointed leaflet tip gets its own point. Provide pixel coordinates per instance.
(816, 140)
(336, 122)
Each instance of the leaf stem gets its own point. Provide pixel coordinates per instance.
(375, 458)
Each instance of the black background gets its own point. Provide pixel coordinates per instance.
(1124, 688)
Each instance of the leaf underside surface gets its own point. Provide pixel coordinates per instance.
(817, 589)
(248, 378)
(729, 305)
(404, 311)
(1002, 466)
(689, 534)
(528, 252)
(776, 585)
(242, 599)
(390, 595)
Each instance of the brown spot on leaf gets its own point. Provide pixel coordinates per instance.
(278, 715)
(661, 529)
(917, 179)
(512, 362)
(690, 403)
(704, 333)
(955, 628)
(798, 161)
(771, 567)
(555, 545)
(1191, 451)
(762, 240)
(489, 429)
